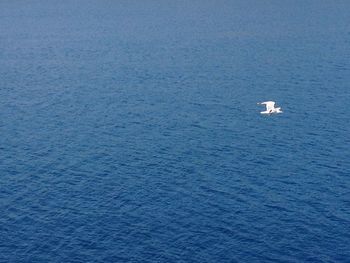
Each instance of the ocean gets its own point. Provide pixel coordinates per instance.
(130, 131)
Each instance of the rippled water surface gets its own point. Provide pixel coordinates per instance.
(129, 131)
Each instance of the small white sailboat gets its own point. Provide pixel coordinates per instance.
(270, 107)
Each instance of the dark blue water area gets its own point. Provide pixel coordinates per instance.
(130, 131)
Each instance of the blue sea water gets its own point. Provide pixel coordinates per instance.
(129, 131)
